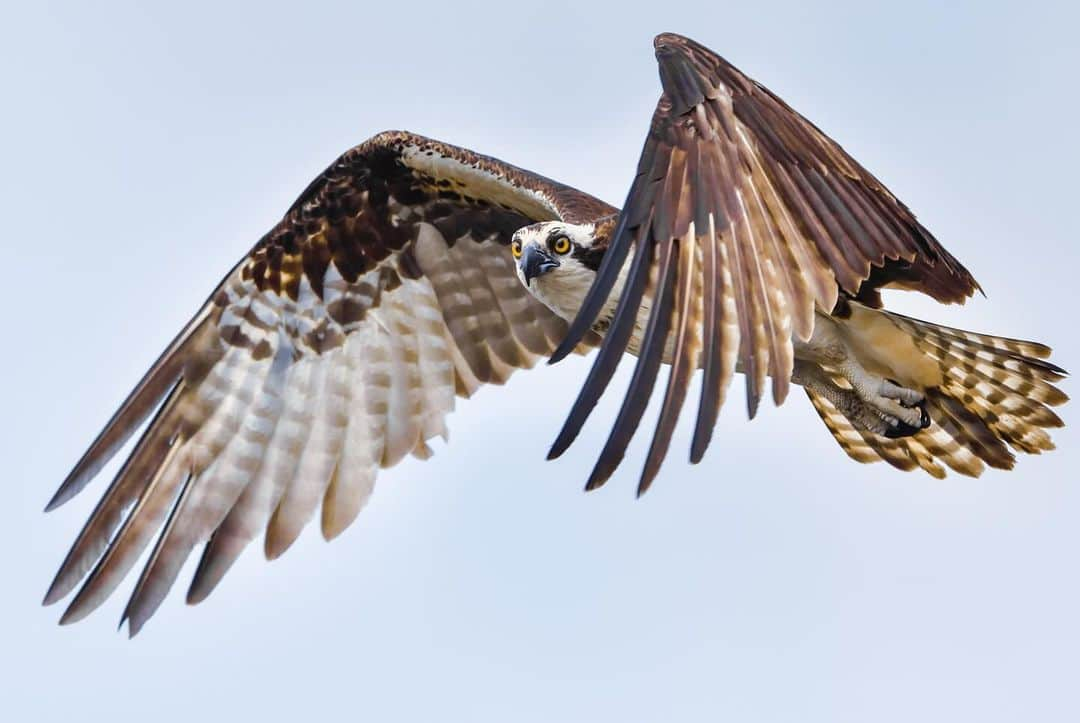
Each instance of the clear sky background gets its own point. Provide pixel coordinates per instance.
(143, 151)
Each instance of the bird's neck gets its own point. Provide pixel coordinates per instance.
(602, 234)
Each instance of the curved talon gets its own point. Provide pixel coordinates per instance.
(903, 429)
(909, 398)
(906, 416)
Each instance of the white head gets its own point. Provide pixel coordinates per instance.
(557, 263)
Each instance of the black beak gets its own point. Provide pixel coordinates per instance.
(535, 262)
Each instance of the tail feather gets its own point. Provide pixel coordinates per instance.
(1019, 384)
(866, 447)
(994, 398)
(970, 430)
(963, 339)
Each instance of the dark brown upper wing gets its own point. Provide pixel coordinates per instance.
(334, 348)
(748, 217)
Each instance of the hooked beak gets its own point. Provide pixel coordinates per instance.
(535, 262)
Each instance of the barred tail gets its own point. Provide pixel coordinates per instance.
(987, 397)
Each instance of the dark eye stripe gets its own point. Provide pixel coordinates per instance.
(590, 258)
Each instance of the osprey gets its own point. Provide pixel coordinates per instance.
(411, 272)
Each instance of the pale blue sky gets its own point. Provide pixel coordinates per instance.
(145, 150)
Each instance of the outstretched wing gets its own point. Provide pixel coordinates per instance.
(743, 218)
(334, 348)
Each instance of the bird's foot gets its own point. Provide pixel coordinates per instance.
(885, 407)
(871, 403)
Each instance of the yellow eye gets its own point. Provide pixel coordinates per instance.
(515, 249)
(561, 245)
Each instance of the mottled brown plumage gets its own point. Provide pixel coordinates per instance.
(338, 344)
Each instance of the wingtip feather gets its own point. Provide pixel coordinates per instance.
(562, 443)
(277, 542)
(644, 484)
(54, 594)
(601, 473)
(56, 501)
(74, 612)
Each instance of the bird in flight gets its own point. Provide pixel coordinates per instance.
(411, 272)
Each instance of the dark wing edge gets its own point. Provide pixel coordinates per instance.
(748, 217)
(335, 347)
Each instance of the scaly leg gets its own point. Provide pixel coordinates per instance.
(873, 403)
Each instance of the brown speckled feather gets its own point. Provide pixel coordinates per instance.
(335, 348)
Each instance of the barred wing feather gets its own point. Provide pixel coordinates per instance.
(335, 348)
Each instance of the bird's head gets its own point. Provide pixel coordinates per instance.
(557, 263)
